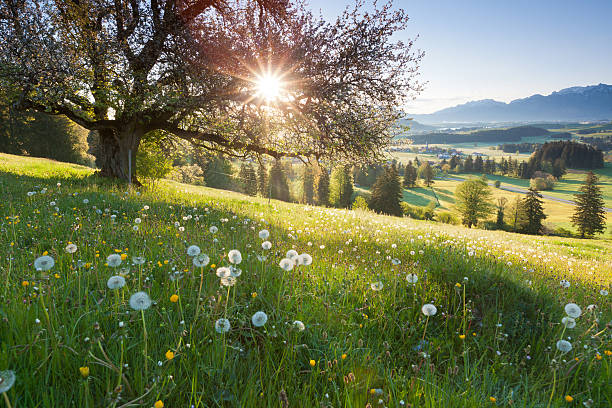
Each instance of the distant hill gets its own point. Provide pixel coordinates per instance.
(579, 103)
(514, 134)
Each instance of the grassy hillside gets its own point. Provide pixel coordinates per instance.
(72, 341)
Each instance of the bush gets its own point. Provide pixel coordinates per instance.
(360, 203)
(497, 183)
(542, 183)
(447, 217)
(418, 213)
(189, 174)
(152, 163)
(562, 232)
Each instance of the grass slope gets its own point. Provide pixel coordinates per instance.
(492, 341)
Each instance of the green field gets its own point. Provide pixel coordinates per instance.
(72, 341)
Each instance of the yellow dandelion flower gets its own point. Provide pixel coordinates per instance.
(312, 363)
(343, 357)
(123, 257)
(25, 283)
(462, 336)
(159, 404)
(598, 356)
(174, 298)
(169, 355)
(569, 398)
(254, 294)
(84, 371)
(492, 399)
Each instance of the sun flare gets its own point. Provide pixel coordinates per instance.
(269, 87)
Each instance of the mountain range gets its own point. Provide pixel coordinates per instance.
(578, 103)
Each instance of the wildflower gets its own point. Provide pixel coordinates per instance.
(113, 260)
(266, 245)
(343, 356)
(569, 398)
(70, 248)
(169, 355)
(200, 260)
(84, 371)
(462, 336)
(573, 310)
(44, 263)
(608, 353)
(299, 325)
(564, 283)
(429, 309)
(603, 292)
(7, 379)
(174, 298)
(223, 272)
(193, 250)
(123, 257)
(312, 363)
(158, 404)
(264, 234)
(292, 254)
(568, 322)
(376, 286)
(591, 308)
(492, 399)
(259, 319)
(138, 260)
(213, 229)
(305, 259)
(25, 283)
(137, 221)
(412, 278)
(254, 295)
(234, 256)
(228, 281)
(564, 346)
(140, 301)
(115, 282)
(286, 264)
(222, 326)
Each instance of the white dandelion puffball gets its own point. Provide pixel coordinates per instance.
(113, 260)
(259, 319)
(603, 292)
(44, 263)
(222, 326)
(264, 234)
(298, 325)
(213, 229)
(228, 281)
(115, 282)
(376, 286)
(573, 310)
(193, 250)
(138, 260)
(305, 259)
(564, 346)
(146, 207)
(286, 264)
(292, 254)
(70, 248)
(564, 283)
(7, 379)
(412, 278)
(201, 260)
(223, 272)
(235, 272)
(591, 307)
(140, 301)
(137, 221)
(568, 322)
(85, 201)
(266, 245)
(234, 256)
(429, 309)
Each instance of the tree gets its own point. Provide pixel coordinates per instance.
(468, 164)
(190, 68)
(387, 193)
(262, 180)
(308, 185)
(426, 173)
(590, 215)
(218, 172)
(534, 211)
(279, 188)
(501, 205)
(323, 188)
(516, 215)
(341, 187)
(473, 201)
(410, 176)
(248, 179)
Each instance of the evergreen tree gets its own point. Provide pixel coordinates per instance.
(308, 185)
(387, 193)
(323, 188)
(426, 173)
(279, 188)
(558, 168)
(468, 164)
(473, 201)
(516, 215)
(501, 205)
(249, 180)
(534, 211)
(589, 216)
(410, 176)
(262, 180)
(218, 172)
(341, 187)
(478, 164)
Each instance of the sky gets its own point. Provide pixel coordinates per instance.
(500, 49)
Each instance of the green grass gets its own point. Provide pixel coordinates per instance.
(509, 308)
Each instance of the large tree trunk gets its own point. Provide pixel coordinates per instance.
(115, 150)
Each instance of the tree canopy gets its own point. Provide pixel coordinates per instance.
(190, 68)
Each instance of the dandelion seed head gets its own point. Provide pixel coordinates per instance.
(115, 282)
(44, 263)
(429, 309)
(140, 301)
(259, 319)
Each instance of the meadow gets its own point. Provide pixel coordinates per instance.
(190, 296)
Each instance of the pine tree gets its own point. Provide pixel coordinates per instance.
(279, 188)
(534, 211)
(410, 176)
(341, 187)
(468, 164)
(501, 205)
(323, 188)
(308, 185)
(590, 216)
(250, 180)
(262, 180)
(387, 193)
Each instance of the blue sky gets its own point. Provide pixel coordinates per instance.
(502, 49)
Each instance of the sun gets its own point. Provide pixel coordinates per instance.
(269, 87)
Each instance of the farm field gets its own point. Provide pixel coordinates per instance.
(368, 309)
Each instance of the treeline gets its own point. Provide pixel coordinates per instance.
(490, 135)
(519, 147)
(41, 135)
(569, 154)
(603, 143)
(597, 129)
